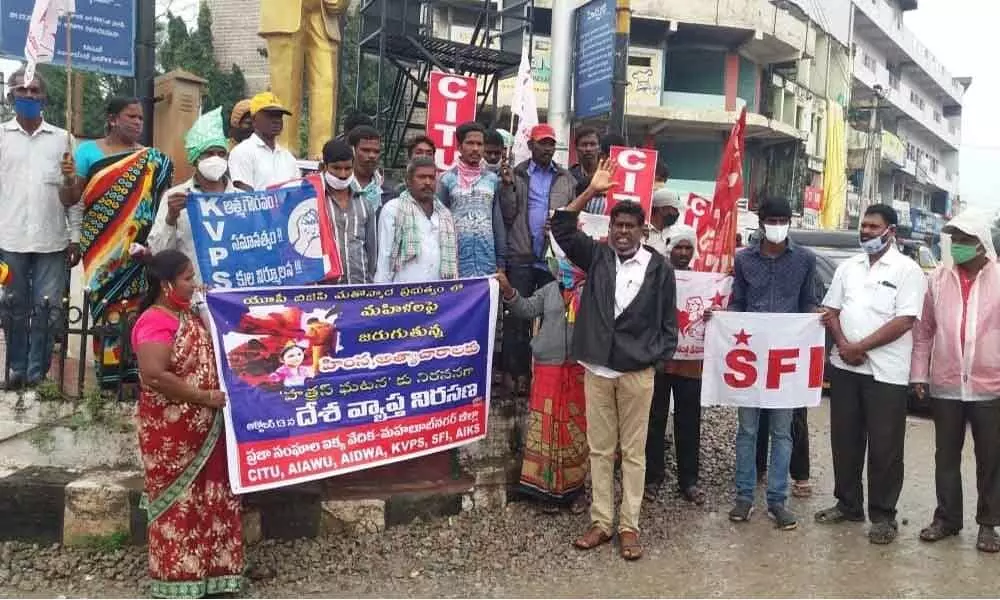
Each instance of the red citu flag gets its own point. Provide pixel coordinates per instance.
(719, 250)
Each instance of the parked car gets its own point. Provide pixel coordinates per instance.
(920, 252)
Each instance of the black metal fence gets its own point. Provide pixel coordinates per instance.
(87, 353)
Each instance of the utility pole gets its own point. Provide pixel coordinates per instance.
(559, 79)
(145, 64)
(623, 20)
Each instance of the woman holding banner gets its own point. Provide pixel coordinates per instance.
(120, 184)
(554, 466)
(194, 527)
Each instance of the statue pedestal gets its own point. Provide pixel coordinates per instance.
(178, 105)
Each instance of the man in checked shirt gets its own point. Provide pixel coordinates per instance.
(772, 275)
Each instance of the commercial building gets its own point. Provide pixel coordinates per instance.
(912, 106)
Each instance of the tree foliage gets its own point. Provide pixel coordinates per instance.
(193, 51)
(178, 48)
(367, 100)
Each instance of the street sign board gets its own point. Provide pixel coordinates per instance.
(103, 35)
(595, 59)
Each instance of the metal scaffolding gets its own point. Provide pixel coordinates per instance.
(402, 34)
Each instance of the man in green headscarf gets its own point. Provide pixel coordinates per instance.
(207, 151)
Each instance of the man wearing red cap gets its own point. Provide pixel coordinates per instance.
(540, 186)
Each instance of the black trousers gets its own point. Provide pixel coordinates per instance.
(687, 429)
(799, 467)
(865, 412)
(950, 418)
(526, 279)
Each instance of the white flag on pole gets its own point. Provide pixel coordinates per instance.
(40, 45)
(525, 107)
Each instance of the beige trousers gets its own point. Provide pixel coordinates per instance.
(311, 53)
(618, 415)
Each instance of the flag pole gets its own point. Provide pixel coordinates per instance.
(69, 82)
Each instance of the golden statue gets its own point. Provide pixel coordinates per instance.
(303, 46)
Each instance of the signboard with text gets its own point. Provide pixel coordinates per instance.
(269, 238)
(103, 35)
(451, 101)
(326, 380)
(635, 175)
(593, 73)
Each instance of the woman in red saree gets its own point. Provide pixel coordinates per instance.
(194, 527)
(554, 463)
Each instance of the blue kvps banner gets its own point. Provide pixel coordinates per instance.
(276, 237)
(327, 380)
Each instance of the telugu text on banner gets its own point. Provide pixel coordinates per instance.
(276, 237)
(327, 380)
(763, 360)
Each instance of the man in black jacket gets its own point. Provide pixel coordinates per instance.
(626, 325)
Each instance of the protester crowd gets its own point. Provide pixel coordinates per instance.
(599, 372)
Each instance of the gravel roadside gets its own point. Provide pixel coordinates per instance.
(473, 554)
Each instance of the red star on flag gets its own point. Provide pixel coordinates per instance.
(742, 337)
(717, 299)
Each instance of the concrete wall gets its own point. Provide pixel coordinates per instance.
(234, 32)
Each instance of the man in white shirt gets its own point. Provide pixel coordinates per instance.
(259, 162)
(627, 324)
(871, 307)
(205, 145)
(41, 231)
(416, 233)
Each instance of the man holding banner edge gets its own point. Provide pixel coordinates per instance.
(772, 276)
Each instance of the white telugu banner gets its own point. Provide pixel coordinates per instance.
(697, 292)
(763, 360)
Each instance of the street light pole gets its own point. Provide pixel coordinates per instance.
(623, 14)
(559, 79)
(145, 65)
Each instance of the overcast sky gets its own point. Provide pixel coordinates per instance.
(961, 33)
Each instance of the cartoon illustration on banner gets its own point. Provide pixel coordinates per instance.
(697, 292)
(326, 380)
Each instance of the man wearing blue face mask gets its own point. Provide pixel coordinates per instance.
(42, 228)
(870, 309)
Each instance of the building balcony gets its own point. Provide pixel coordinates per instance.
(897, 97)
(877, 20)
(770, 34)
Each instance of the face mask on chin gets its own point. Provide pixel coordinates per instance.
(876, 244)
(336, 183)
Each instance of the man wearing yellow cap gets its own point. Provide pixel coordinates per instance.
(260, 162)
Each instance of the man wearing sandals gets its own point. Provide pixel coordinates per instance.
(627, 324)
(772, 276)
(870, 309)
(955, 351)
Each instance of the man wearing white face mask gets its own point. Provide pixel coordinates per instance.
(353, 221)
(771, 276)
(206, 146)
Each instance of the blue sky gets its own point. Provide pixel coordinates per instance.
(961, 34)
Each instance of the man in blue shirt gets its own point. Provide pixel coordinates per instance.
(536, 187)
(772, 276)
